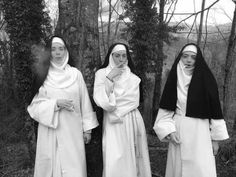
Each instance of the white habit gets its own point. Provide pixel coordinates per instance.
(194, 156)
(60, 145)
(125, 150)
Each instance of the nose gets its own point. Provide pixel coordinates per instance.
(122, 59)
(57, 52)
(189, 60)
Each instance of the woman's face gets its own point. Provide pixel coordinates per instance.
(120, 58)
(188, 58)
(58, 52)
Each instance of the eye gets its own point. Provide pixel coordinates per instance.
(185, 56)
(124, 55)
(116, 55)
(193, 57)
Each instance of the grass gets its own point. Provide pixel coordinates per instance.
(225, 160)
(15, 160)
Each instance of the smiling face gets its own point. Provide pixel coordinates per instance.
(58, 52)
(120, 58)
(188, 58)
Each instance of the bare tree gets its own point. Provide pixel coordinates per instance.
(201, 22)
(109, 23)
(229, 66)
(78, 24)
(112, 8)
(158, 73)
(103, 43)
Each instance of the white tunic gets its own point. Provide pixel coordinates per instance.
(60, 145)
(194, 156)
(125, 150)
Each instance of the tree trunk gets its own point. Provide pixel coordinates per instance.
(201, 22)
(109, 25)
(78, 25)
(103, 43)
(229, 66)
(159, 63)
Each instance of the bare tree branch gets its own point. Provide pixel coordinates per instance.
(192, 26)
(109, 23)
(197, 12)
(194, 22)
(171, 16)
(215, 32)
(201, 22)
(3, 22)
(117, 12)
(168, 10)
(222, 34)
(205, 41)
(226, 14)
(103, 37)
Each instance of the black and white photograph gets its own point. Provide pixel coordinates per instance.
(117, 88)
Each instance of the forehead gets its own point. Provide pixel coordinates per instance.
(120, 52)
(56, 44)
(189, 53)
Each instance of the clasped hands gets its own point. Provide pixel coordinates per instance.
(65, 104)
(69, 106)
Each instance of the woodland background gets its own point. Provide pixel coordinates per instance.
(89, 27)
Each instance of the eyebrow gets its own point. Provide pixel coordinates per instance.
(190, 54)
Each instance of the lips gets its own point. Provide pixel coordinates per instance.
(188, 66)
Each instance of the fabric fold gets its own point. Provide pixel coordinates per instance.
(218, 130)
(100, 96)
(42, 109)
(164, 124)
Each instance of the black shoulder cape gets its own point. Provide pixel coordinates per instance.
(203, 97)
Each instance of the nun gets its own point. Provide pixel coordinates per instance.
(190, 116)
(124, 141)
(62, 108)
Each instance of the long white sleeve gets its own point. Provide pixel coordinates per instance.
(101, 95)
(43, 109)
(164, 123)
(218, 129)
(89, 117)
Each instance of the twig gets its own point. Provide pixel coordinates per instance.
(197, 12)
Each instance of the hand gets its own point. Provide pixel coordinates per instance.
(115, 72)
(65, 104)
(173, 138)
(87, 137)
(215, 147)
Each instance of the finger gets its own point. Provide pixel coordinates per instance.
(215, 151)
(175, 140)
(69, 101)
(86, 141)
(89, 140)
(69, 108)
